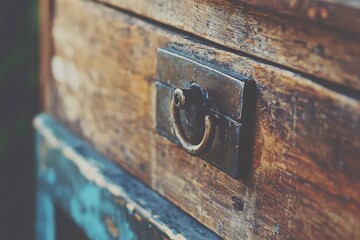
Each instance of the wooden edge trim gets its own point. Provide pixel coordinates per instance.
(129, 199)
(45, 52)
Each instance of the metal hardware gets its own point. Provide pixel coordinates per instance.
(182, 98)
(211, 113)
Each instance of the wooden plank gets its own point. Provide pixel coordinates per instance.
(341, 14)
(45, 216)
(307, 47)
(101, 198)
(305, 172)
(337, 13)
(45, 51)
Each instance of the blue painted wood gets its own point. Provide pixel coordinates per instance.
(105, 201)
(45, 216)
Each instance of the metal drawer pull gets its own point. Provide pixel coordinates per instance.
(207, 113)
(180, 99)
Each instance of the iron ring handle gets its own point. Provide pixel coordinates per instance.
(193, 149)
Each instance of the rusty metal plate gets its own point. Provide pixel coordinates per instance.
(229, 99)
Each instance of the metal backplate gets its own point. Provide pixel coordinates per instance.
(231, 149)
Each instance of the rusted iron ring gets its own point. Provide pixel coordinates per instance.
(179, 100)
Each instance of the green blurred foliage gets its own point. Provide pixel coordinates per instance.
(18, 105)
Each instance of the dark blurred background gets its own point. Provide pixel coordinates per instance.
(19, 102)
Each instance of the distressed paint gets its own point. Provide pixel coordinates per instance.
(100, 197)
(45, 216)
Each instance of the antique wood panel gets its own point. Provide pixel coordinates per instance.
(45, 50)
(101, 198)
(337, 13)
(325, 52)
(304, 179)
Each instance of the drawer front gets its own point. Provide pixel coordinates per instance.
(315, 37)
(304, 180)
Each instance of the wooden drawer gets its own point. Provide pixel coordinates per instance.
(305, 172)
(311, 36)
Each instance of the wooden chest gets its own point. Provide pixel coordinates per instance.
(302, 180)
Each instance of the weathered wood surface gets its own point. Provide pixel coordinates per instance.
(305, 180)
(45, 46)
(324, 52)
(45, 216)
(344, 14)
(101, 198)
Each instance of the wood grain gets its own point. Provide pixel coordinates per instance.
(303, 46)
(344, 14)
(305, 181)
(45, 50)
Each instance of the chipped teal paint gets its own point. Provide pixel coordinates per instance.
(45, 210)
(51, 176)
(88, 218)
(90, 214)
(85, 202)
(45, 216)
(91, 206)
